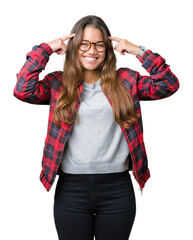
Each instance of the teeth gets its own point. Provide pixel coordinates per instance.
(89, 58)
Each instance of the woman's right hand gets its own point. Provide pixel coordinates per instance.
(58, 44)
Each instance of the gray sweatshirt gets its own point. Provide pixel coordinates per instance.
(96, 143)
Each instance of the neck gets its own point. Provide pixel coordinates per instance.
(91, 76)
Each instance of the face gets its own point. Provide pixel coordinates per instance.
(91, 59)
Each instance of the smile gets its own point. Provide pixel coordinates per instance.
(90, 59)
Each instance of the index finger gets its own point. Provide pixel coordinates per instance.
(67, 37)
(115, 38)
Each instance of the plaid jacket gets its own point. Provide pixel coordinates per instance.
(160, 84)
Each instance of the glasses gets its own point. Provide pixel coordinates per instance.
(85, 45)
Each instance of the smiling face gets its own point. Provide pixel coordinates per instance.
(91, 59)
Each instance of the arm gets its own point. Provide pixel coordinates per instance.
(161, 83)
(28, 88)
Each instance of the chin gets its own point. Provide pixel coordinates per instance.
(90, 68)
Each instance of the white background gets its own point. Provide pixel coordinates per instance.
(164, 211)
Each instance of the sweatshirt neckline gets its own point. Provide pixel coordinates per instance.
(92, 85)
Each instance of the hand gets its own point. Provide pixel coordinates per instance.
(58, 44)
(125, 46)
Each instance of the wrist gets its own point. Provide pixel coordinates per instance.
(136, 50)
(141, 52)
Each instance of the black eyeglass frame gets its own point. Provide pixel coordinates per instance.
(94, 45)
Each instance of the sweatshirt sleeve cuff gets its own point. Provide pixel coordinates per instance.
(145, 56)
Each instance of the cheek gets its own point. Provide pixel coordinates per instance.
(79, 57)
(78, 54)
(102, 57)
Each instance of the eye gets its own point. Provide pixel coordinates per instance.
(84, 44)
(100, 44)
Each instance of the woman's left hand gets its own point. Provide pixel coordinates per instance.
(123, 46)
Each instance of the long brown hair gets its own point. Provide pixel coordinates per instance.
(123, 106)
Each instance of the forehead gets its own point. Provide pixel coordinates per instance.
(92, 34)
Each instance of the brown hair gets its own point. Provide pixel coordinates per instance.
(123, 107)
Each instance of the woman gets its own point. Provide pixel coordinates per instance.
(95, 132)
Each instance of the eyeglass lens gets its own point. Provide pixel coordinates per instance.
(85, 45)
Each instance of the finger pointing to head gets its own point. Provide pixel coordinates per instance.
(68, 37)
(115, 38)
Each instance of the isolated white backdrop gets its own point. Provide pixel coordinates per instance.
(165, 209)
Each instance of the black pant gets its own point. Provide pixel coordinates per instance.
(100, 205)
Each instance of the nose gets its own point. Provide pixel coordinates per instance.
(92, 49)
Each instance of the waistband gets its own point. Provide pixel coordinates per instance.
(97, 174)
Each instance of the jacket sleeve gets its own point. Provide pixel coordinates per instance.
(28, 88)
(161, 83)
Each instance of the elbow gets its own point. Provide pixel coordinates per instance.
(16, 93)
(19, 94)
(173, 89)
(173, 85)
(163, 92)
(176, 85)
(17, 88)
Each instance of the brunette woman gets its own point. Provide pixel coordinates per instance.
(95, 131)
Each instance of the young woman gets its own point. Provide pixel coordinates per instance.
(95, 132)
